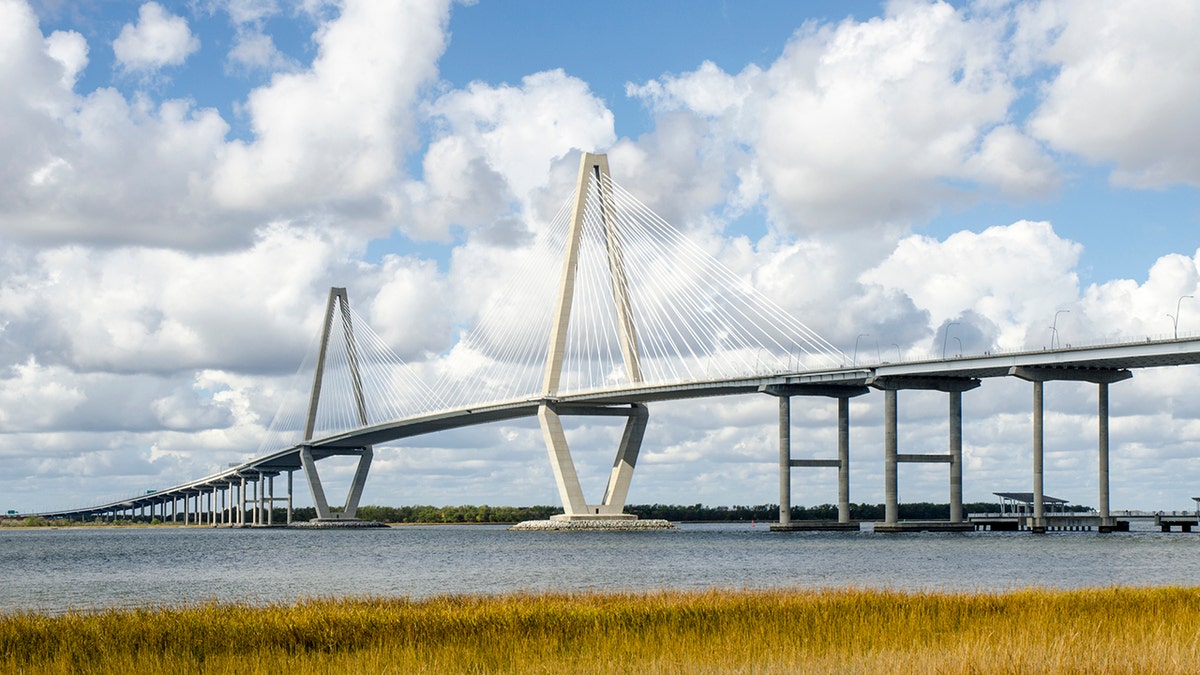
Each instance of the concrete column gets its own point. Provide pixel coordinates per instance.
(1103, 452)
(271, 501)
(956, 507)
(785, 460)
(241, 515)
(843, 459)
(174, 509)
(891, 507)
(289, 502)
(1039, 506)
(565, 477)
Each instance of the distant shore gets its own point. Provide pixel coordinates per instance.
(819, 631)
(507, 515)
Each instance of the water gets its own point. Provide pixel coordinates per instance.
(54, 570)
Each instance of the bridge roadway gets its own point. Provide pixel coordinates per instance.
(1074, 363)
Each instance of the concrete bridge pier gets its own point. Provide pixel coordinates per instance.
(290, 506)
(843, 394)
(891, 509)
(892, 458)
(1101, 377)
(612, 504)
(956, 492)
(256, 500)
(1106, 519)
(241, 512)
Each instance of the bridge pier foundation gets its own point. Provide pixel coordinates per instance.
(785, 461)
(892, 457)
(1100, 377)
(891, 503)
(612, 505)
(956, 492)
(1106, 519)
(289, 497)
(320, 502)
(843, 394)
(1038, 525)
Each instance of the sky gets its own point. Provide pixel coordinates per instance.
(182, 182)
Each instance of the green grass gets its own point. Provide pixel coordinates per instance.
(831, 631)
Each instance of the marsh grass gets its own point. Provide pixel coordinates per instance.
(721, 631)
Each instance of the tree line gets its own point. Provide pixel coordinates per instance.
(427, 514)
(672, 512)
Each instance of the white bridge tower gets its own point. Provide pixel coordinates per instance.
(594, 183)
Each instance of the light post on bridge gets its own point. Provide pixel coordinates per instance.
(946, 336)
(1175, 316)
(959, 345)
(854, 361)
(1054, 327)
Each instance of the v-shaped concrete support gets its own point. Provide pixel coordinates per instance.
(350, 507)
(612, 505)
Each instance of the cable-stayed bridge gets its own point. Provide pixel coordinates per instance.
(612, 309)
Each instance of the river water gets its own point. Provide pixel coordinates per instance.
(52, 570)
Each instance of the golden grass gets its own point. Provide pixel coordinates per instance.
(1114, 630)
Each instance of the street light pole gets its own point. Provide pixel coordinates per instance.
(854, 361)
(1175, 319)
(1054, 327)
(959, 345)
(946, 336)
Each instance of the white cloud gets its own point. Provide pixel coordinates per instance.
(335, 133)
(1015, 276)
(498, 146)
(412, 310)
(1014, 163)
(1124, 88)
(71, 50)
(131, 310)
(249, 11)
(255, 50)
(99, 168)
(521, 130)
(867, 123)
(159, 39)
(1125, 307)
